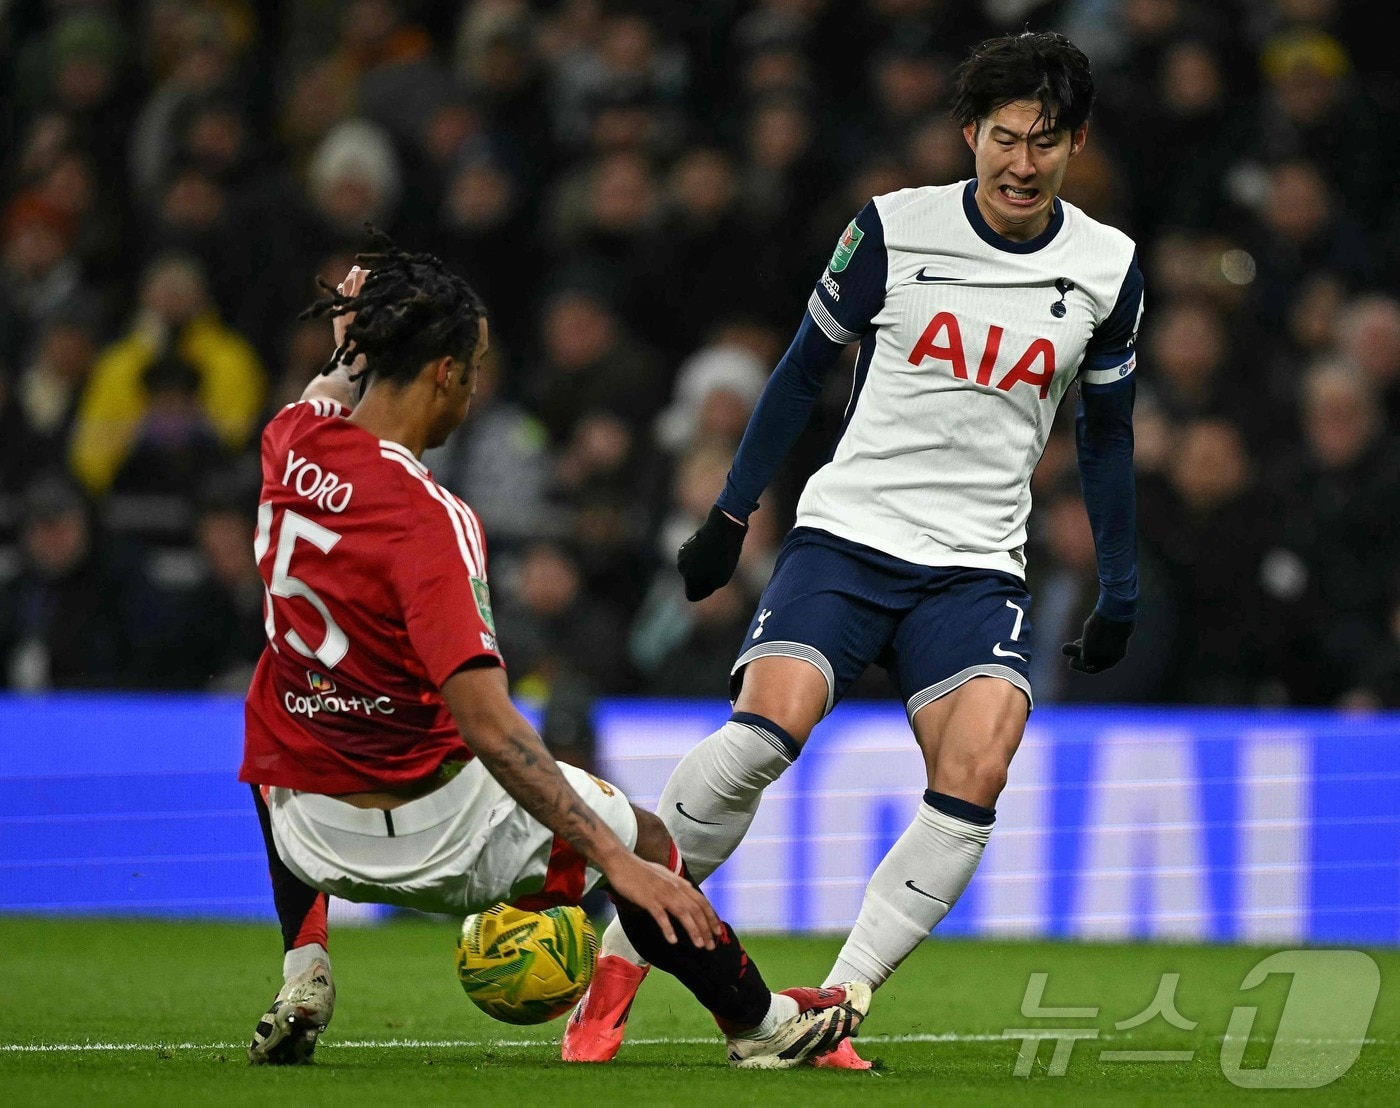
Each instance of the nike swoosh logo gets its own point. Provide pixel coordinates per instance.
(692, 819)
(924, 276)
(1000, 653)
(915, 888)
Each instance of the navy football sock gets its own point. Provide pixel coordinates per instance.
(301, 910)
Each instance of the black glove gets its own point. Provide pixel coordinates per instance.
(1102, 645)
(707, 559)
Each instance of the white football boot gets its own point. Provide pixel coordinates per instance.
(287, 1033)
(825, 1018)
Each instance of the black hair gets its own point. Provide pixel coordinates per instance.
(1040, 66)
(411, 310)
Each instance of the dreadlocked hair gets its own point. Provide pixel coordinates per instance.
(410, 310)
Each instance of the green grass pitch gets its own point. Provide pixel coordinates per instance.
(96, 1012)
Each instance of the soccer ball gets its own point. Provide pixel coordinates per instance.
(526, 967)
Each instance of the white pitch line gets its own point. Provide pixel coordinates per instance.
(425, 1044)
(438, 1044)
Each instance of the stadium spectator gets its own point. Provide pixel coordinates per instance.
(403, 82)
(377, 35)
(1311, 107)
(934, 151)
(315, 102)
(175, 315)
(46, 393)
(703, 227)
(487, 230)
(1197, 373)
(353, 174)
(176, 446)
(1301, 229)
(499, 64)
(1211, 533)
(15, 449)
(1060, 566)
(1190, 107)
(714, 394)
(1308, 337)
(1368, 339)
(1341, 535)
(777, 63)
(700, 660)
(73, 616)
(191, 54)
(590, 362)
(194, 215)
(785, 166)
(499, 461)
(627, 57)
(94, 212)
(210, 630)
(664, 619)
(79, 68)
(668, 633)
(606, 219)
(306, 348)
(450, 133)
(39, 271)
(1377, 684)
(607, 474)
(1095, 183)
(555, 632)
(909, 81)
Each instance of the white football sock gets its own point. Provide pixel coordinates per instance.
(713, 794)
(780, 1009)
(301, 958)
(913, 888)
(718, 786)
(615, 943)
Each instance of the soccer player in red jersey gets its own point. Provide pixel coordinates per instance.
(387, 760)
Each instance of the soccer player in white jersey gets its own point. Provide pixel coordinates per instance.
(976, 306)
(387, 761)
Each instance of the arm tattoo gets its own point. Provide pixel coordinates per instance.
(526, 770)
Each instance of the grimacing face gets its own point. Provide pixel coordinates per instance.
(1020, 167)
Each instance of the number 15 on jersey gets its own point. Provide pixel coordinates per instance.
(284, 585)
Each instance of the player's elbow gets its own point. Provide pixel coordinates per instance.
(478, 697)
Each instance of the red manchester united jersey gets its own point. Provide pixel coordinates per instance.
(376, 593)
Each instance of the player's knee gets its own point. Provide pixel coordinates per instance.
(791, 692)
(653, 840)
(971, 775)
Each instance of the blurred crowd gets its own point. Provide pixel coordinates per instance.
(644, 193)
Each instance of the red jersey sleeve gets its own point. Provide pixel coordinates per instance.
(293, 419)
(440, 576)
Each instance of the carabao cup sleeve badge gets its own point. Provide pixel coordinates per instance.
(850, 239)
(483, 602)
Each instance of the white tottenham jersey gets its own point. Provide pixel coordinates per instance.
(967, 343)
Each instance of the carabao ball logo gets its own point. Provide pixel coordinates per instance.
(850, 239)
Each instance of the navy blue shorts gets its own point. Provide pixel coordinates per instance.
(842, 606)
